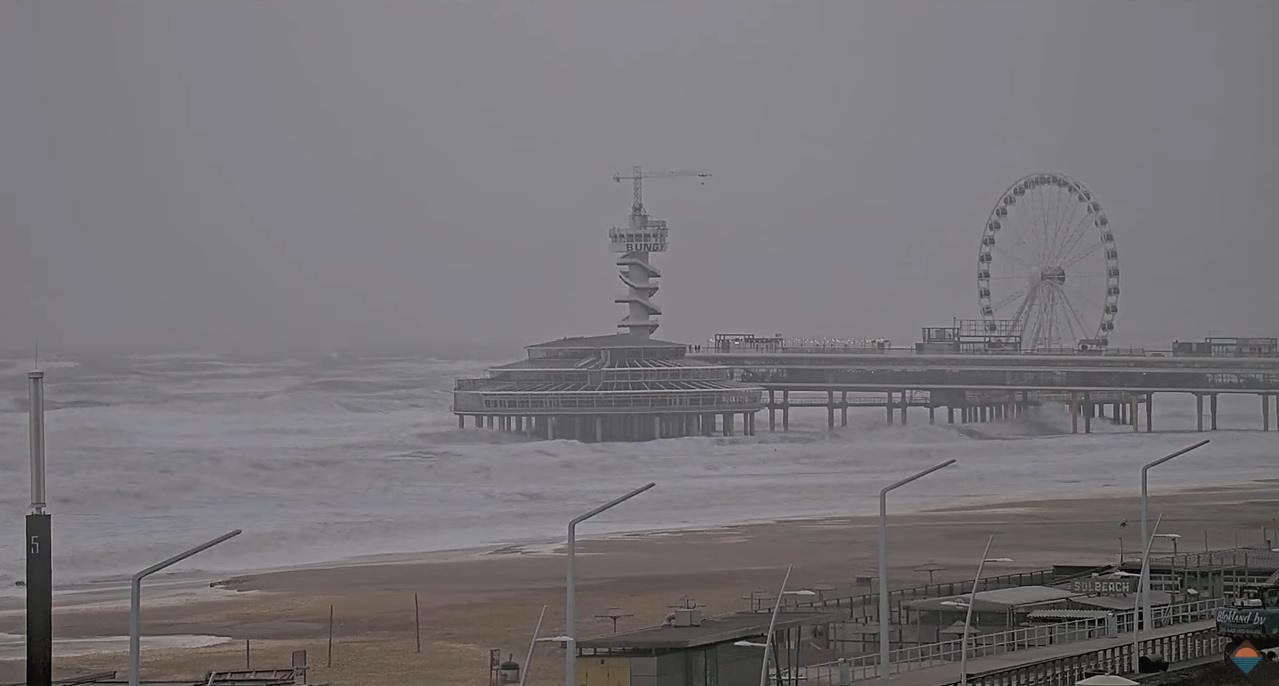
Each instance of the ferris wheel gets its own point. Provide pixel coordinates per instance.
(1048, 269)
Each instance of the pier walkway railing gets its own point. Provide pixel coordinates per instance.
(914, 658)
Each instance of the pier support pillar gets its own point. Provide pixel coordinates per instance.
(1212, 403)
(1074, 413)
(772, 411)
(657, 426)
(1265, 412)
(932, 417)
(1199, 412)
(599, 430)
(728, 423)
(785, 410)
(905, 404)
(750, 423)
(950, 419)
(461, 418)
(843, 408)
(1089, 410)
(890, 407)
(830, 410)
(1150, 411)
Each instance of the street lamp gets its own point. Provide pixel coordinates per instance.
(571, 585)
(528, 661)
(1145, 600)
(968, 616)
(772, 622)
(1173, 538)
(1141, 583)
(135, 600)
(883, 563)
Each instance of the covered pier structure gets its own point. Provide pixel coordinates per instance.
(621, 387)
(986, 387)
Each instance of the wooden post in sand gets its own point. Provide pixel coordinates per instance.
(417, 624)
(248, 663)
(330, 660)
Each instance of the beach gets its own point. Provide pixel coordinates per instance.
(472, 601)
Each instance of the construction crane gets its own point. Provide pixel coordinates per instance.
(638, 175)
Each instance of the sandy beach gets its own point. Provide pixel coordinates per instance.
(472, 602)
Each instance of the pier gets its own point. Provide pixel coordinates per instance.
(981, 386)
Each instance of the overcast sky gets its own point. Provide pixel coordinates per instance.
(229, 173)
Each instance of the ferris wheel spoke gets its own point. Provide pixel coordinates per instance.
(1066, 231)
(1012, 256)
(1019, 295)
(1053, 229)
(1070, 308)
(1081, 255)
(1041, 300)
(1021, 317)
(1076, 234)
(1041, 225)
(1054, 319)
(1083, 295)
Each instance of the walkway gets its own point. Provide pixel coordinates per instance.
(949, 673)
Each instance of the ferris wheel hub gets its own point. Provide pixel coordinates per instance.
(1055, 275)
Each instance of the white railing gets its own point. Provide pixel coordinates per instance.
(913, 658)
(1192, 645)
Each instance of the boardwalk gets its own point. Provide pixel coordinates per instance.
(949, 673)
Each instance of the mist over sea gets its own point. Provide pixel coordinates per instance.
(325, 457)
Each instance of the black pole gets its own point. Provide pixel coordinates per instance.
(39, 601)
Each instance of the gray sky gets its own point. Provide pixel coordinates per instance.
(302, 171)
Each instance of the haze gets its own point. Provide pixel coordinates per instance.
(289, 172)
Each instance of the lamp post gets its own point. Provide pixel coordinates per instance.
(528, 661)
(883, 563)
(968, 616)
(1173, 538)
(39, 552)
(1141, 583)
(772, 623)
(571, 584)
(1145, 601)
(135, 600)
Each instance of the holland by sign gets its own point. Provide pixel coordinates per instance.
(1115, 586)
(1230, 615)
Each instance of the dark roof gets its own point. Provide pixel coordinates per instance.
(996, 600)
(617, 340)
(714, 630)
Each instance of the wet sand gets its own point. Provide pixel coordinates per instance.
(471, 602)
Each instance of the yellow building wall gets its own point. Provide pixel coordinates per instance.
(603, 671)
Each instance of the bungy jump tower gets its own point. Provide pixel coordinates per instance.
(627, 386)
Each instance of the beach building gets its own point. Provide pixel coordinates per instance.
(693, 650)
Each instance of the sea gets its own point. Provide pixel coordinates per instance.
(325, 458)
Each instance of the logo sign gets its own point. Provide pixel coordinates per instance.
(1232, 615)
(1245, 657)
(646, 247)
(1104, 586)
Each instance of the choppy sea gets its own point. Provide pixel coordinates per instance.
(329, 457)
